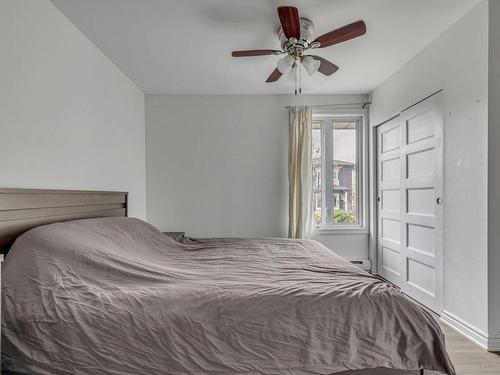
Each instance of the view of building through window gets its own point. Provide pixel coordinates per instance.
(337, 142)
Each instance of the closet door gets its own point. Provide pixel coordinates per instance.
(421, 214)
(410, 182)
(389, 201)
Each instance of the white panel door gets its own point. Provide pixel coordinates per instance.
(413, 257)
(421, 189)
(389, 201)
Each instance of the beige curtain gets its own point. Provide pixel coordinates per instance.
(300, 207)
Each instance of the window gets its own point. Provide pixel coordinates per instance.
(337, 171)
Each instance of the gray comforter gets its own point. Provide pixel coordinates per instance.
(115, 296)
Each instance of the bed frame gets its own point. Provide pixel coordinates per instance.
(23, 209)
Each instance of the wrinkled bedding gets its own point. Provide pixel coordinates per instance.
(115, 296)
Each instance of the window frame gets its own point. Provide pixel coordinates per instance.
(328, 117)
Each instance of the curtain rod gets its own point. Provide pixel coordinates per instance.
(363, 105)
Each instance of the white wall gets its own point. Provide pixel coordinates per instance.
(69, 118)
(494, 176)
(457, 62)
(217, 165)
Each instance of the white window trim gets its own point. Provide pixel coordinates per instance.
(360, 115)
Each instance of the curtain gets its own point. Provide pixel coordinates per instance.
(300, 205)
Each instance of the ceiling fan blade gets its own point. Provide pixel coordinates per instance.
(275, 75)
(326, 67)
(290, 21)
(353, 30)
(255, 52)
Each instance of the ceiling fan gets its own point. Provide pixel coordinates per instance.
(295, 35)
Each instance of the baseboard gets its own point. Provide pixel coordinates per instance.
(494, 342)
(469, 331)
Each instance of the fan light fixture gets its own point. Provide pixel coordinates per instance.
(285, 64)
(311, 65)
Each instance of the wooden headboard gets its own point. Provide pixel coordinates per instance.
(23, 209)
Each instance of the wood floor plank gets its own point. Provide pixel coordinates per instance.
(468, 357)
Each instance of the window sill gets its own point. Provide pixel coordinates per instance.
(341, 229)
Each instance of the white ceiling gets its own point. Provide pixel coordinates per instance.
(184, 46)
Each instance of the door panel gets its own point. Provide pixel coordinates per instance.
(390, 261)
(390, 169)
(420, 201)
(420, 163)
(420, 127)
(421, 277)
(390, 200)
(421, 237)
(389, 196)
(390, 230)
(390, 140)
(421, 186)
(409, 176)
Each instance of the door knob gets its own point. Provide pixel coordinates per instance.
(439, 200)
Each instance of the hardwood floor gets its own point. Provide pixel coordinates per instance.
(467, 356)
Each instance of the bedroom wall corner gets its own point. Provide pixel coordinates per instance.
(69, 118)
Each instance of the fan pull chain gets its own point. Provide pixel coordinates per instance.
(295, 77)
(300, 77)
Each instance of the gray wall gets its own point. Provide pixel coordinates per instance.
(457, 62)
(217, 166)
(69, 118)
(494, 176)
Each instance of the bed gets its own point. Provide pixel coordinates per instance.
(113, 295)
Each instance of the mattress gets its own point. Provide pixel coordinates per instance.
(116, 296)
